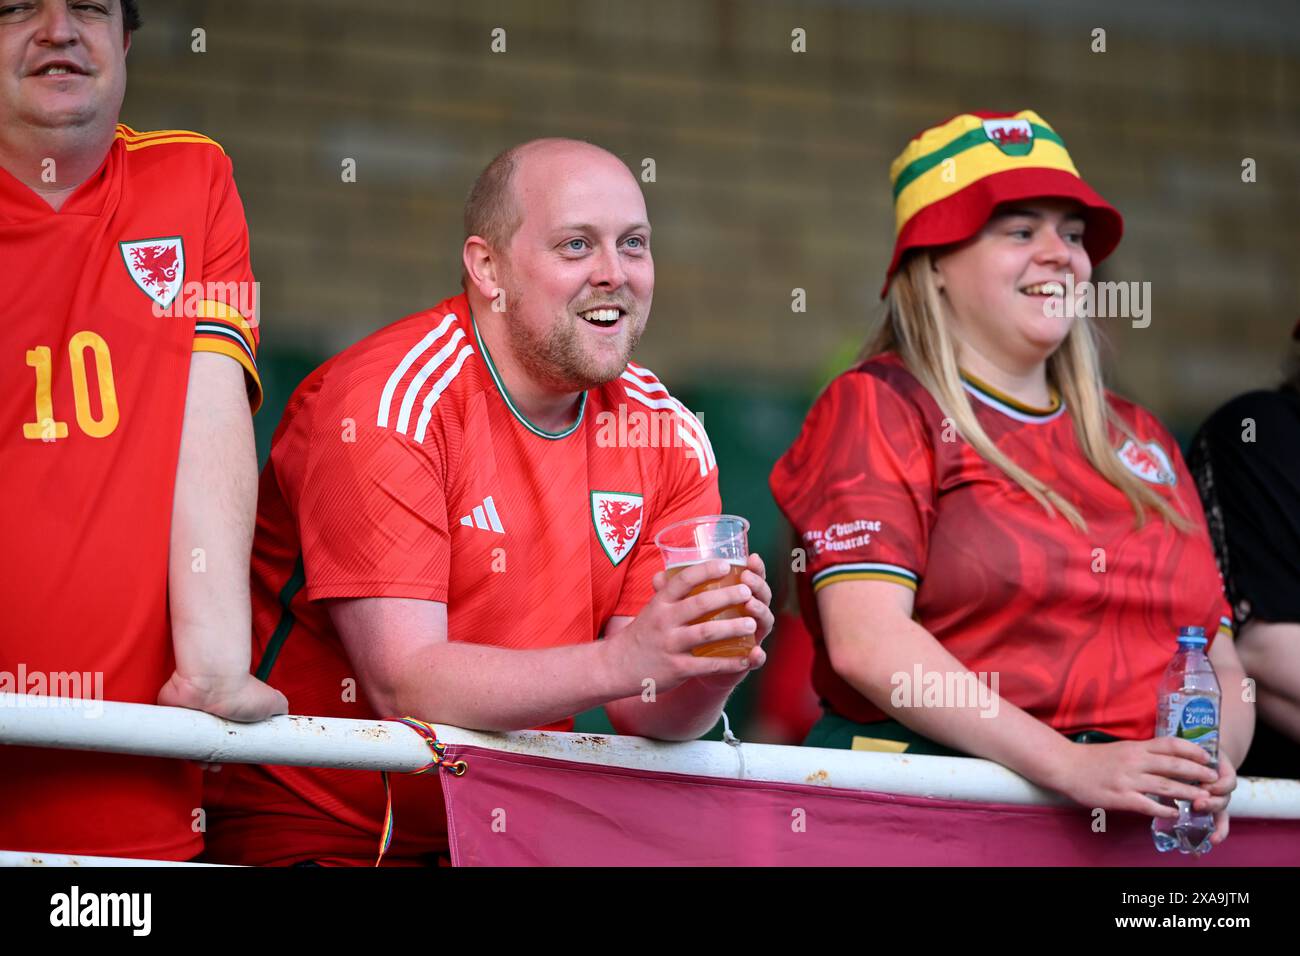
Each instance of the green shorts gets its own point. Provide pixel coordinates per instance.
(889, 736)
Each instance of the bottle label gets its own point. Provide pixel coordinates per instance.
(1198, 721)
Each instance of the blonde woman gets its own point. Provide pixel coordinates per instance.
(999, 551)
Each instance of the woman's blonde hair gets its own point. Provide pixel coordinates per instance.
(915, 328)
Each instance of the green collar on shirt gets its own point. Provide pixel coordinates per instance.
(1011, 406)
(505, 394)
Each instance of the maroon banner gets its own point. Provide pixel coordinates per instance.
(516, 810)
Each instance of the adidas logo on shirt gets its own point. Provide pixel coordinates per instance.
(484, 517)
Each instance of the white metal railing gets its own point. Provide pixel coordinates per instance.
(20, 858)
(174, 732)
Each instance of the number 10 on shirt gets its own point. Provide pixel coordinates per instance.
(46, 427)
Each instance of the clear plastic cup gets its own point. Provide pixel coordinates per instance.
(711, 538)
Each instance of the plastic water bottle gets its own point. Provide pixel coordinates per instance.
(1188, 707)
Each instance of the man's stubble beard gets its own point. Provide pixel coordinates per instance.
(557, 359)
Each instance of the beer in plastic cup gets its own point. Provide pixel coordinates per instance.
(710, 538)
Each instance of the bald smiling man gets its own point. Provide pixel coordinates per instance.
(447, 524)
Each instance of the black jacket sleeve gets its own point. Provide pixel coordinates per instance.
(1246, 459)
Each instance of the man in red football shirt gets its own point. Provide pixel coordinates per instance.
(457, 507)
(128, 487)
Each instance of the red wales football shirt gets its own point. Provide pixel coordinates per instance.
(403, 469)
(95, 385)
(1078, 625)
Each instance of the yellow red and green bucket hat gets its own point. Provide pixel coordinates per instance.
(950, 178)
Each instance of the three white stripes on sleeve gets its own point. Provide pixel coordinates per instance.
(417, 383)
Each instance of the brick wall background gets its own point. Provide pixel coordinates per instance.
(772, 166)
